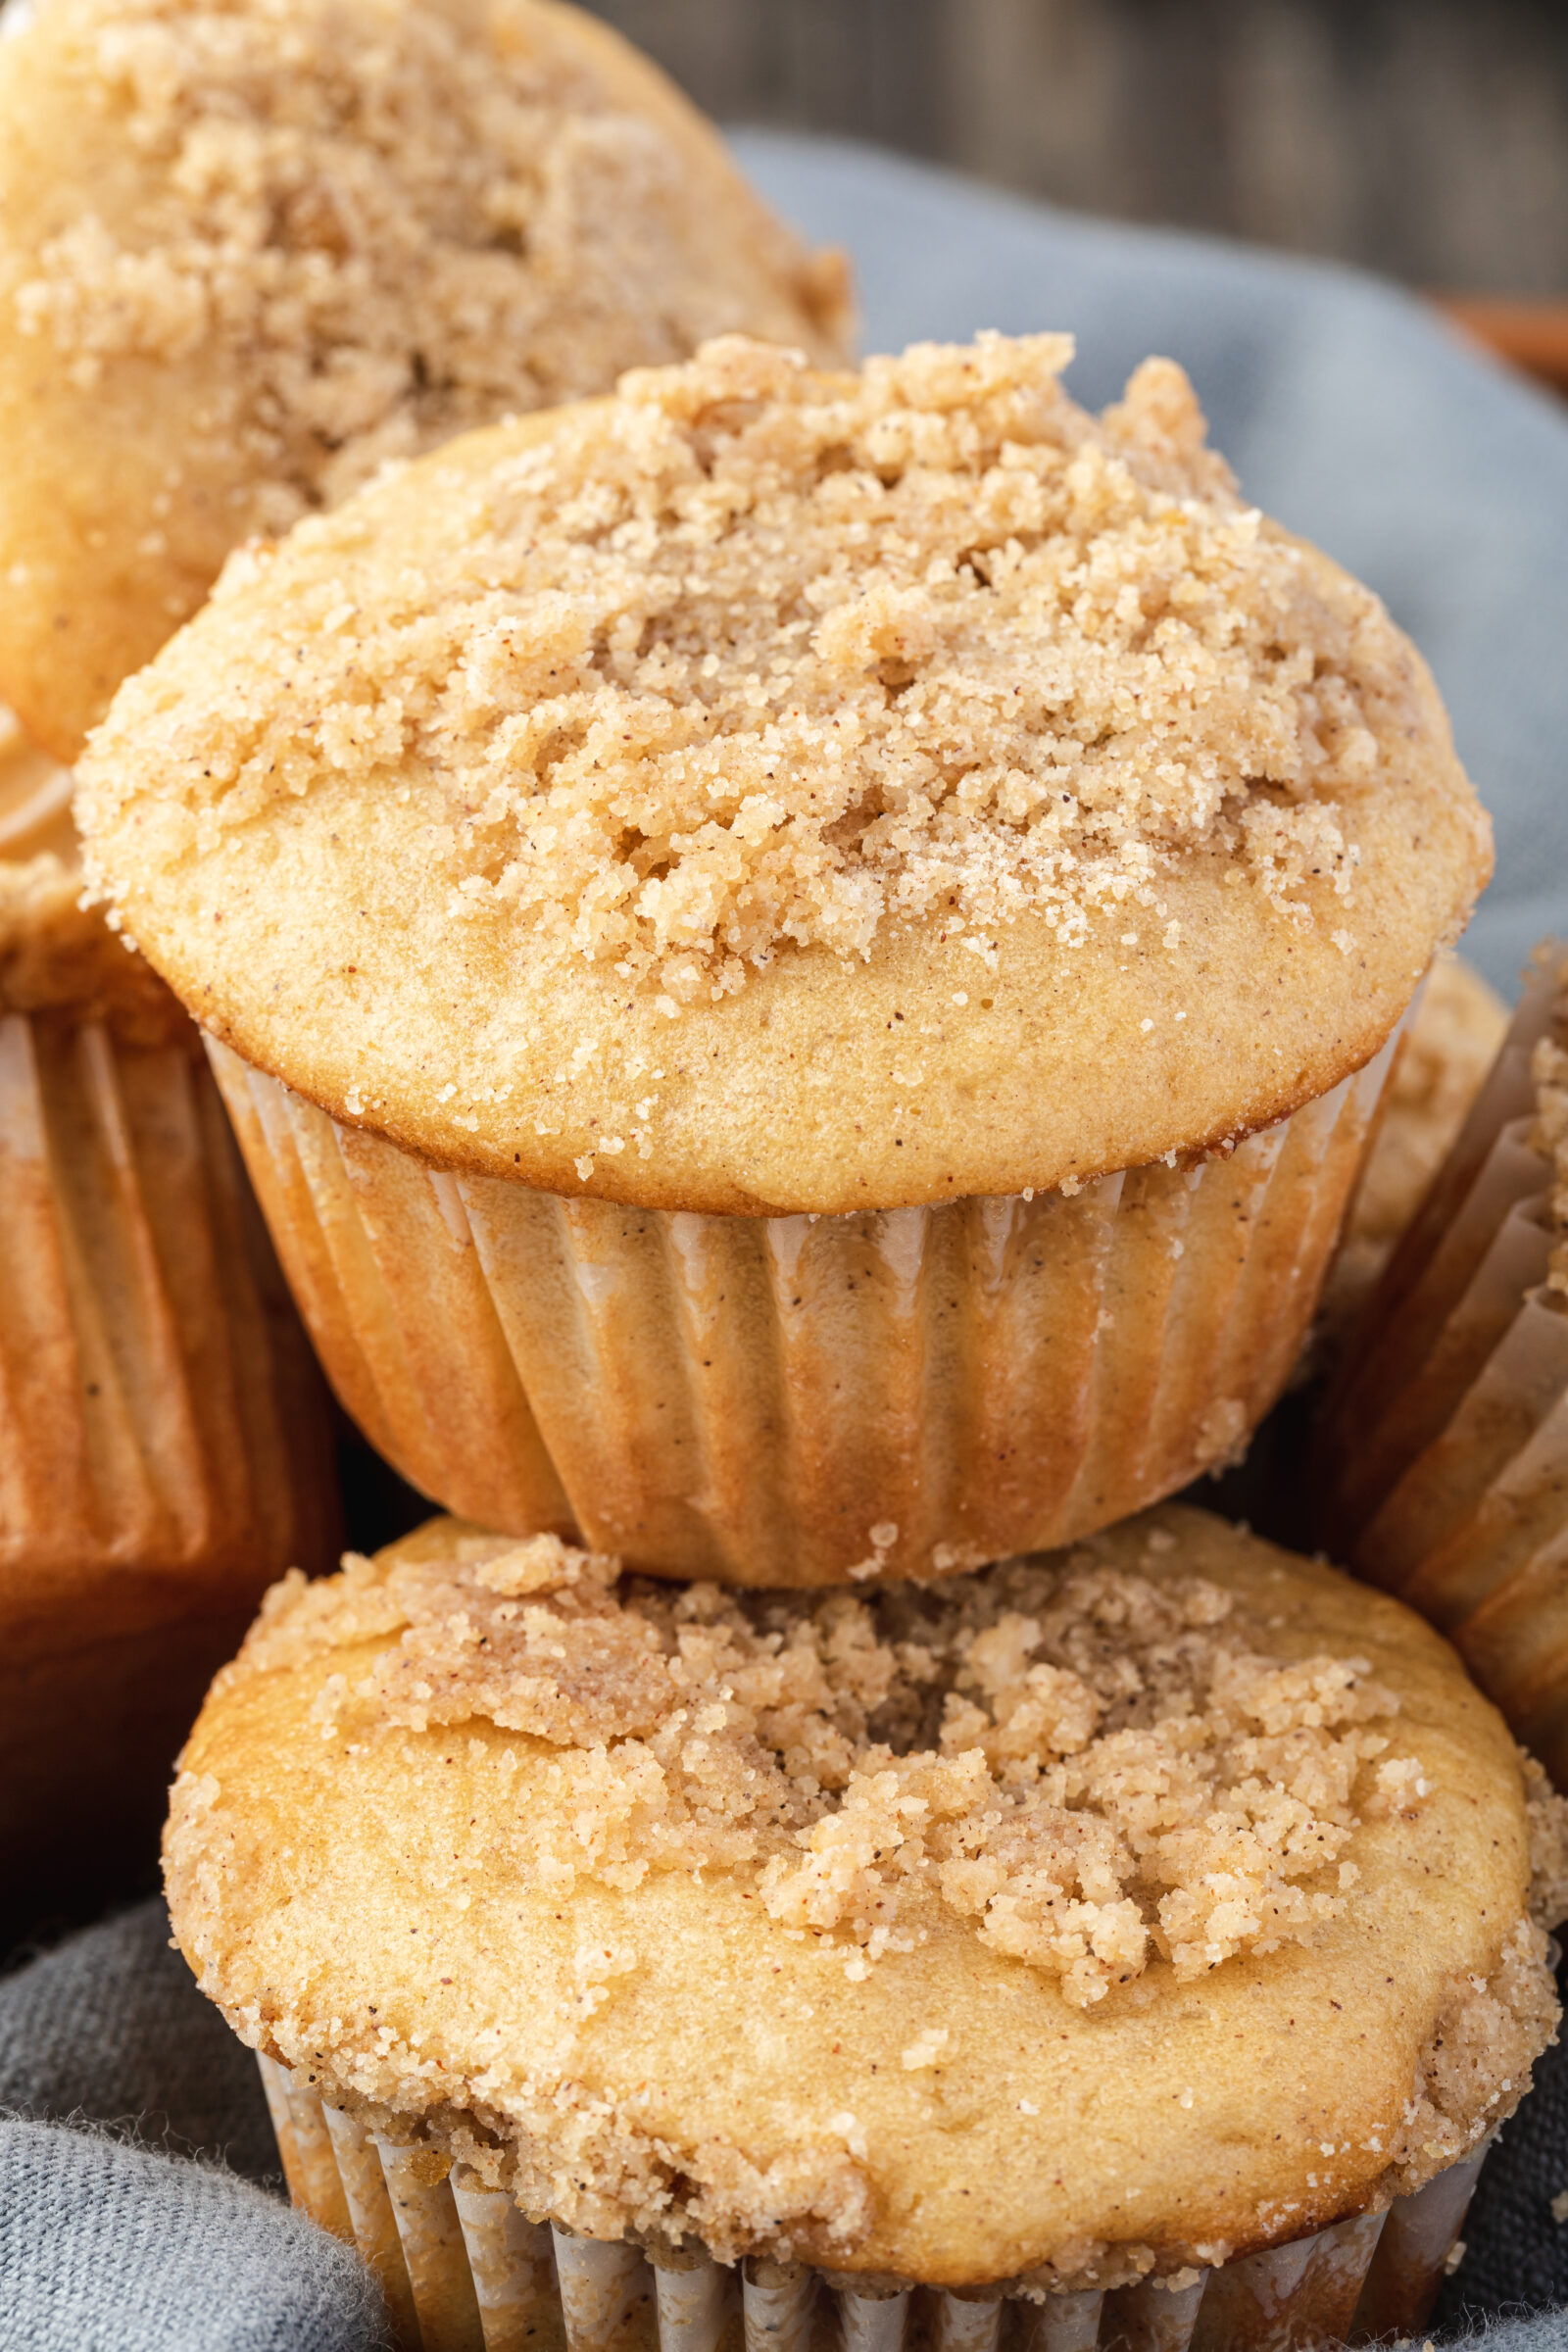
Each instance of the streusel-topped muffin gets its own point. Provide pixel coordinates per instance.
(251, 250)
(843, 925)
(1102, 1918)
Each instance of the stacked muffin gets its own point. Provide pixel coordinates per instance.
(803, 963)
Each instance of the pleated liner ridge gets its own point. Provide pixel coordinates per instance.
(1444, 1447)
(465, 2271)
(164, 1436)
(801, 1400)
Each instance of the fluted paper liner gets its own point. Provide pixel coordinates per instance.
(165, 1438)
(464, 2271)
(1444, 1447)
(804, 1400)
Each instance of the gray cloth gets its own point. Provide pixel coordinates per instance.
(1547, 2334)
(115, 2076)
(105, 2247)
(1347, 408)
(1355, 419)
(109, 2031)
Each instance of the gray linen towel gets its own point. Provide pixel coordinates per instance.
(111, 2031)
(109, 2248)
(115, 2075)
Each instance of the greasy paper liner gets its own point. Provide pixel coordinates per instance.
(165, 1434)
(1444, 1450)
(465, 2271)
(802, 1400)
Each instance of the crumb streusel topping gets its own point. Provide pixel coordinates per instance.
(1093, 1768)
(409, 217)
(752, 658)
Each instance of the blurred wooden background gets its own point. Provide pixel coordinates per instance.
(1428, 138)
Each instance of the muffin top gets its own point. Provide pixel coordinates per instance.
(776, 791)
(55, 956)
(1110, 1911)
(249, 249)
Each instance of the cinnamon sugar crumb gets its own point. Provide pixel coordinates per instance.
(1487, 2036)
(1093, 1767)
(407, 219)
(750, 658)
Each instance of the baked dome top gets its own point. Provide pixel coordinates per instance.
(775, 790)
(1117, 1909)
(249, 249)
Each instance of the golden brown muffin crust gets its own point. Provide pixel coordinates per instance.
(251, 250)
(775, 791)
(1118, 1910)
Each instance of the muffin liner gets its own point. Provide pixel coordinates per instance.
(164, 1437)
(465, 2271)
(1443, 1450)
(804, 1399)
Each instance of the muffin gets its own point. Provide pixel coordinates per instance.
(1115, 1945)
(164, 1437)
(1444, 1466)
(1451, 1041)
(801, 961)
(251, 250)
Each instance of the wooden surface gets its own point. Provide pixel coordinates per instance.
(1424, 138)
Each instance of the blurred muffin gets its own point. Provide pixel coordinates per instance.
(802, 959)
(1444, 1464)
(164, 1437)
(1088, 1929)
(1448, 1046)
(250, 251)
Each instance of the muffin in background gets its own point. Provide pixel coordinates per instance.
(1130, 1942)
(1448, 1046)
(1443, 1455)
(164, 1436)
(810, 997)
(251, 250)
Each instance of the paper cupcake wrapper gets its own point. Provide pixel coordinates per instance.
(1444, 1450)
(464, 2271)
(164, 1437)
(804, 1400)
